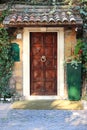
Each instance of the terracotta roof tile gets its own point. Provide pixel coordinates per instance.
(13, 18)
(72, 18)
(19, 18)
(26, 18)
(44, 18)
(37, 19)
(51, 18)
(32, 18)
(64, 17)
(59, 16)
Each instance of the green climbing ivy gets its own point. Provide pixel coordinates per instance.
(3, 14)
(6, 63)
(81, 7)
(83, 12)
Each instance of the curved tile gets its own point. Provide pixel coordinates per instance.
(37, 19)
(72, 18)
(7, 20)
(44, 18)
(51, 18)
(26, 18)
(13, 18)
(32, 18)
(57, 17)
(19, 18)
(64, 17)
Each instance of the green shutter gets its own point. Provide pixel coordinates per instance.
(15, 51)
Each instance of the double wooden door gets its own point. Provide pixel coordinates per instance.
(43, 63)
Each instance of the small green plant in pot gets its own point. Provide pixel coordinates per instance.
(76, 56)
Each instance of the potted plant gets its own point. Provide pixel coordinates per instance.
(73, 72)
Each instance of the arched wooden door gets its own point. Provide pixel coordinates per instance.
(43, 63)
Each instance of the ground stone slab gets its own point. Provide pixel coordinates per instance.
(14, 119)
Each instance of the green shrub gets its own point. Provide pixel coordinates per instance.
(6, 63)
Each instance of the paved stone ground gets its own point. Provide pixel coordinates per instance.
(11, 119)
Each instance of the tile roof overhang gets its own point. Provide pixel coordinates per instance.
(43, 16)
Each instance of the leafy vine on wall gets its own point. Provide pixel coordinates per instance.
(6, 63)
(83, 12)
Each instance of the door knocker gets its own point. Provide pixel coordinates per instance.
(43, 59)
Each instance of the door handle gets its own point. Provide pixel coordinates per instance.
(43, 59)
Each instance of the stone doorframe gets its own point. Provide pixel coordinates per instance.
(60, 61)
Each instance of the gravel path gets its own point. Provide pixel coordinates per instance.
(11, 119)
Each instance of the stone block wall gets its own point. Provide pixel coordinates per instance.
(70, 41)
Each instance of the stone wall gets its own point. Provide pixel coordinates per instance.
(70, 41)
(17, 77)
(69, 44)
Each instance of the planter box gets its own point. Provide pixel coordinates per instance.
(74, 81)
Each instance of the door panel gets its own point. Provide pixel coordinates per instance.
(43, 61)
(37, 64)
(38, 75)
(50, 74)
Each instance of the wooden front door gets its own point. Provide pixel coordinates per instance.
(43, 60)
